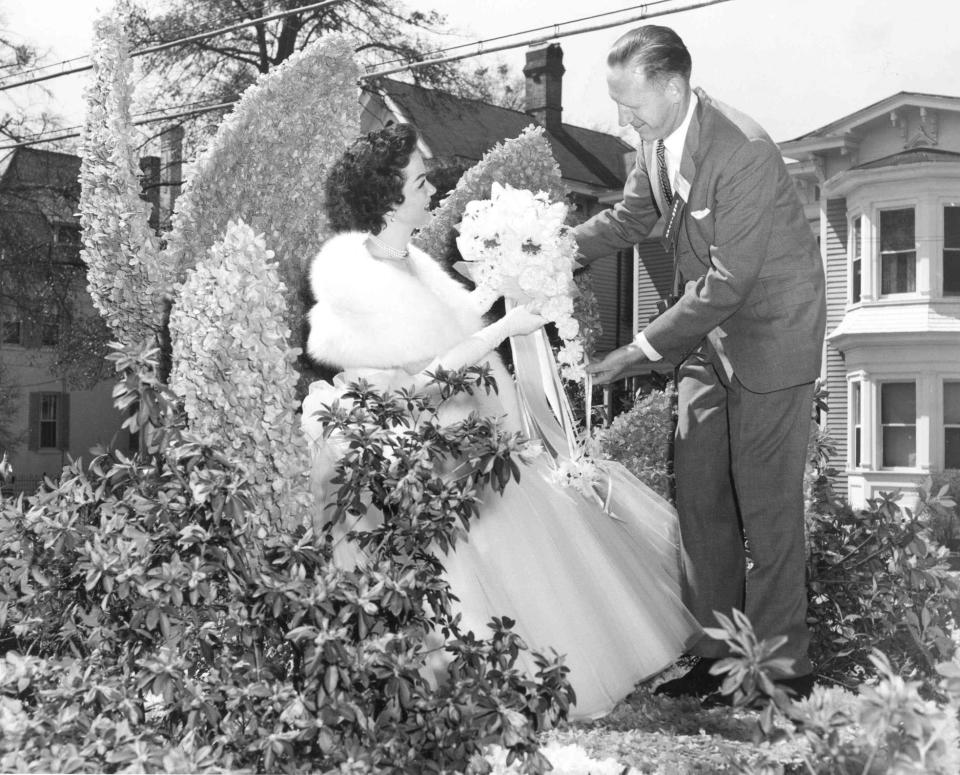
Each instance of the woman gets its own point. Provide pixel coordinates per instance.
(603, 591)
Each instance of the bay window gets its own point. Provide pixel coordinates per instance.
(898, 424)
(951, 424)
(898, 251)
(951, 251)
(856, 263)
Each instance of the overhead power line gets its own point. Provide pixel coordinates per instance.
(481, 48)
(173, 43)
(69, 135)
(531, 30)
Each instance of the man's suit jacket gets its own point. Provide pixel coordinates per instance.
(745, 252)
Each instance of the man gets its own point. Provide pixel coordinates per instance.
(746, 330)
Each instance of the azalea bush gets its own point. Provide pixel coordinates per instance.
(236, 373)
(877, 578)
(642, 439)
(887, 726)
(153, 621)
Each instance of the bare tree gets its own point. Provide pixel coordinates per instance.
(19, 115)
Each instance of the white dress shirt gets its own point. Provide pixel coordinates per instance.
(673, 152)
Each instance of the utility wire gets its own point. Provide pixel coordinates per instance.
(166, 117)
(532, 29)
(481, 50)
(174, 43)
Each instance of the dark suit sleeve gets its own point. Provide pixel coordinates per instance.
(744, 202)
(624, 225)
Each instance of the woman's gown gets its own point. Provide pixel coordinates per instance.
(603, 589)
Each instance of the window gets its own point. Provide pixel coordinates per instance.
(951, 251)
(898, 423)
(12, 332)
(855, 419)
(49, 417)
(898, 252)
(48, 420)
(49, 325)
(856, 252)
(951, 424)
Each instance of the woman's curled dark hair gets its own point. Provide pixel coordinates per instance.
(366, 182)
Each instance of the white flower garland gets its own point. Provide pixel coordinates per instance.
(518, 246)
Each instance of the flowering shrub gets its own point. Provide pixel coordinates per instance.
(878, 579)
(267, 163)
(235, 372)
(126, 274)
(642, 440)
(516, 246)
(888, 726)
(149, 627)
(522, 162)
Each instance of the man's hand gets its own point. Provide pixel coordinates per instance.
(617, 364)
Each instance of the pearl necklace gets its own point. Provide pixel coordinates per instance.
(388, 250)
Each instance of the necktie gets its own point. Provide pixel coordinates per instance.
(662, 174)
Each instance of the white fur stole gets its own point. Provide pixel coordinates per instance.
(371, 313)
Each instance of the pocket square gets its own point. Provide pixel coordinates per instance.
(698, 214)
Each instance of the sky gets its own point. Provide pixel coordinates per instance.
(793, 66)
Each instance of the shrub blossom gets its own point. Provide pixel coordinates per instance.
(126, 274)
(234, 369)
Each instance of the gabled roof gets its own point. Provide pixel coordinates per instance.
(464, 128)
(45, 180)
(863, 116)
(34, 166)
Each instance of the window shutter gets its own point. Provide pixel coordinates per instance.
(63, 421)
(33, 419)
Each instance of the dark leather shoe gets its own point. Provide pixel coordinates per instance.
(696, 682)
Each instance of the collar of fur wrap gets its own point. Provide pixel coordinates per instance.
(372, 313)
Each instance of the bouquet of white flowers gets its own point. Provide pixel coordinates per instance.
(517, 246)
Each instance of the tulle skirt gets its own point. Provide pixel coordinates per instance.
(598, 583)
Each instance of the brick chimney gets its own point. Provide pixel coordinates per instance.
(544, 72)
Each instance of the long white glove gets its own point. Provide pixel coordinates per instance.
(518, 321)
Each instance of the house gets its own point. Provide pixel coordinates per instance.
(54, 413)
(882, 190)
(456, 132)
(42, 295)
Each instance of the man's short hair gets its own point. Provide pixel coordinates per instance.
(657, 51)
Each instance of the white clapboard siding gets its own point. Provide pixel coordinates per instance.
(654, 279)
(836, 371)
(612, 280)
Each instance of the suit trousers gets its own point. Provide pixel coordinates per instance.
(739, 462)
